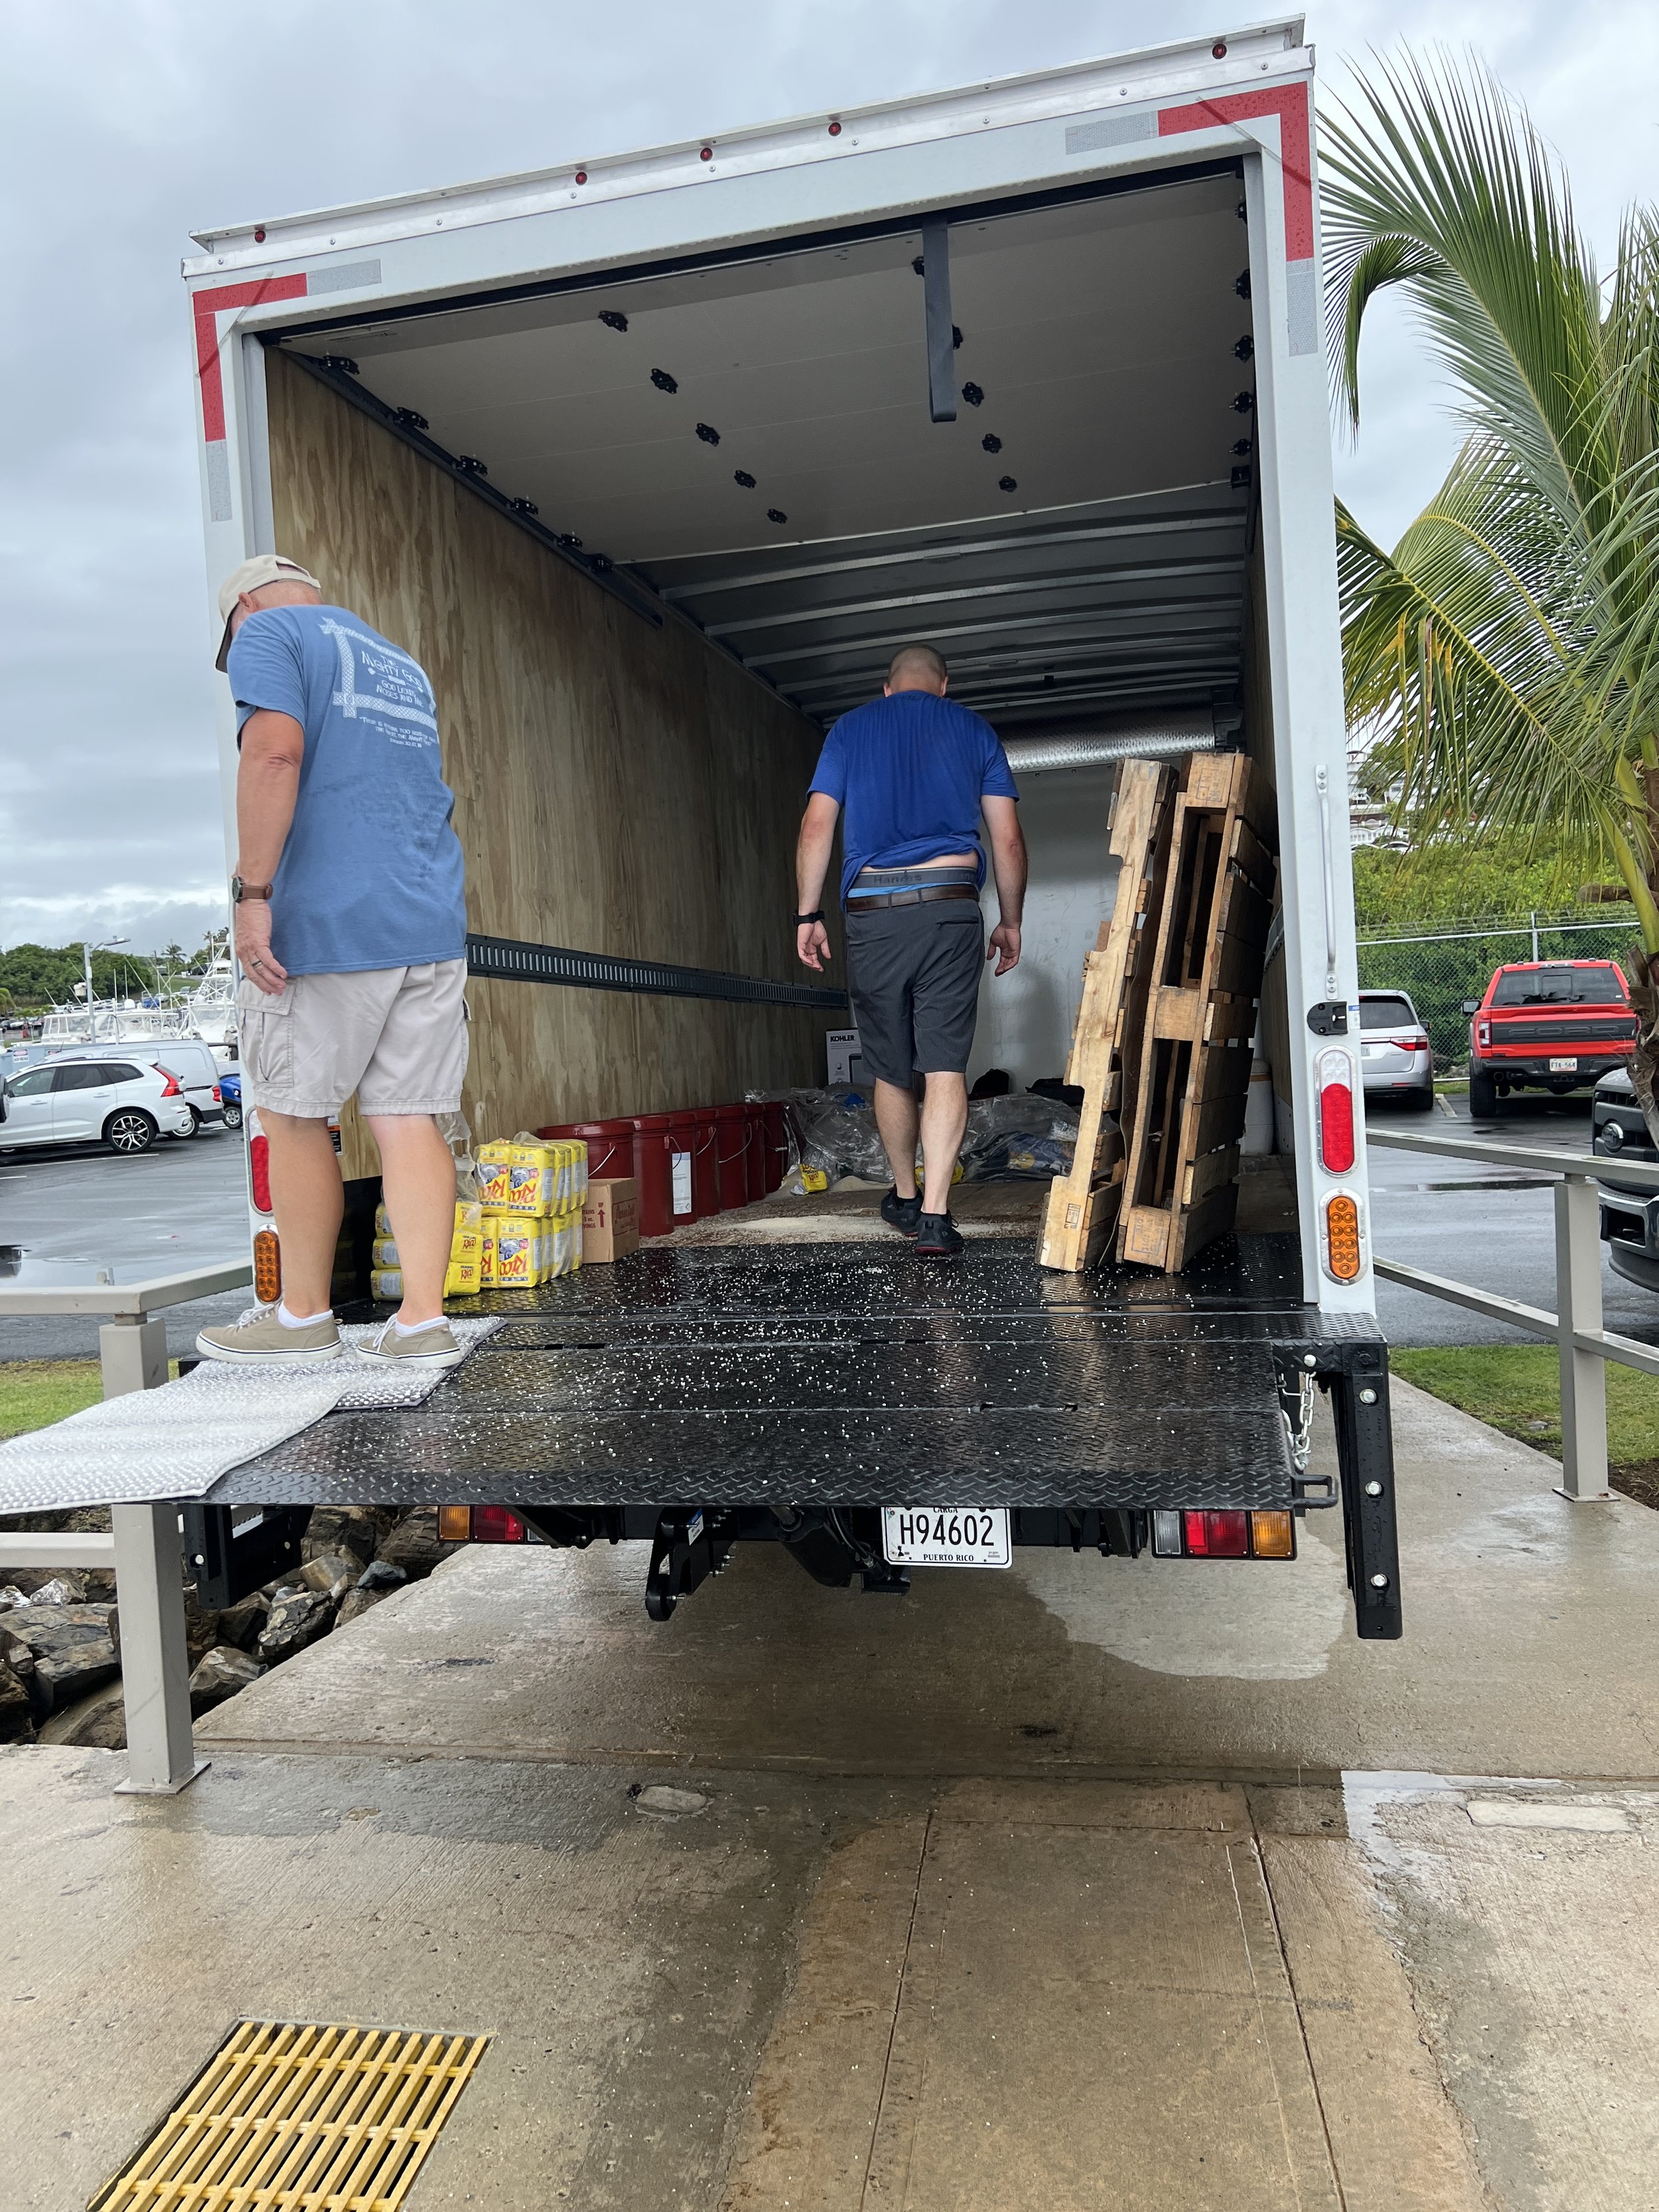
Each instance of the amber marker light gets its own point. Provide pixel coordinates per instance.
(267, 1267)
(1342, 1254)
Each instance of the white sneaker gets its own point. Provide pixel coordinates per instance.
(434, 1345)
(260, 1339)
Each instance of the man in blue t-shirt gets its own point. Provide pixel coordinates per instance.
(911, 774)
(351, 928)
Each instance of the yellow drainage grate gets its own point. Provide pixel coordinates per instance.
(290, 2117)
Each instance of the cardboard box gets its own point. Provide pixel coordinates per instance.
(611, 1219)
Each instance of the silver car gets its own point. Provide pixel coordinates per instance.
(1395, 1059)
(121, 1100)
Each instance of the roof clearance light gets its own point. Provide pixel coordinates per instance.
(1334, 1079)
(267, 1267)
(494, 1524)
(1342, 1248)
(835, 130)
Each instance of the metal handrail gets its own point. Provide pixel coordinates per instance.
(144, 1543)
(127, 1301)
(1582, 1344)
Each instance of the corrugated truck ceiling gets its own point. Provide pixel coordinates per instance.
(754, 442)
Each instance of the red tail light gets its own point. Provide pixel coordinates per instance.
(1334, 1076)
(171, 1089)
(1218, 1535)
(1483, 1032)
(216, 1099)
(1408, 1044)
(258, 1172)
(494, 1524)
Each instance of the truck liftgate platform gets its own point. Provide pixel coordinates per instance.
(697, 1397)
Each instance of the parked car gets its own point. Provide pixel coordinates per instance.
(187, 1059)
(230, 1095)
(125, 1103)
(1550, 1025)
(1395, 1060)
(1630, 1217)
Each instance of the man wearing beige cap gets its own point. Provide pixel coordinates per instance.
(351, 928)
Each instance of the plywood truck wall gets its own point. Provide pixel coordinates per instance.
(618, 788)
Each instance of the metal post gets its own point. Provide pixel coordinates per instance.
(150, 1593)
(1583, 1377)
(154, 1662)
(133, 1355)
(1535, 940)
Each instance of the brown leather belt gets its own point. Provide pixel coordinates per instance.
(861, 905)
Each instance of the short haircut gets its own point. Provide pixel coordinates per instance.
(917, 660)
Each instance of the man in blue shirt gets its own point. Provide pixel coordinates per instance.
(912, 772)
(350, 927)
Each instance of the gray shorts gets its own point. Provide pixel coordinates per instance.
(395, 1036)
(913, 973)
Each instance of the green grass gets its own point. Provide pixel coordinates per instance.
(34, 1392)
(1517, 1388)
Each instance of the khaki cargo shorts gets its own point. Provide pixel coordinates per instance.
(395, 1036)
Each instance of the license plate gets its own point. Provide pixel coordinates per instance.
(1564, 1067)
(944, 1535)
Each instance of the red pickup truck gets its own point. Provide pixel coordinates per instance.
(1547, 1025)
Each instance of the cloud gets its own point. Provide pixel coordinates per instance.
(121, 127)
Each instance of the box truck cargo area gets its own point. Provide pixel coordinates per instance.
(653, 462)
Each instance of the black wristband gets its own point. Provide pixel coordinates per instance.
(801, 920)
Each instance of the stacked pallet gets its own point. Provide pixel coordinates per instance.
(1105, 1058)
(1169, 1007)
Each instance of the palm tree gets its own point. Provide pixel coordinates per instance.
(1505, 657)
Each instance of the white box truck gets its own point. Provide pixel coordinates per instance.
(652, 459)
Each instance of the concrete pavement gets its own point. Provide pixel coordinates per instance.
(1047, 1888)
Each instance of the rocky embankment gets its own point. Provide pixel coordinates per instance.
(60, 1633)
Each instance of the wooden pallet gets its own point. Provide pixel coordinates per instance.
(1082, 1207)
(1181, 1175)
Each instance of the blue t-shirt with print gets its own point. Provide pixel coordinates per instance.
(372, 874)
(908, 772)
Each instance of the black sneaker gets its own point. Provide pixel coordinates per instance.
(937, 1236)
(902, 1213)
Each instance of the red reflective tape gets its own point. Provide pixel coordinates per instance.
(1289, 102)
(206, 306)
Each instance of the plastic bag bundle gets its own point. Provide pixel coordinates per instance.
(836, 1132)
(1019, 1135)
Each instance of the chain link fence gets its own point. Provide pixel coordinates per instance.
(1440, 969)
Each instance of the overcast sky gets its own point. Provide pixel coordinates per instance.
(123, 125)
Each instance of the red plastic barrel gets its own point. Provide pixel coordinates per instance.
(694, 1127)
(754, 1122)
(732, 1155)
(663, 1168)
(776, 1142)
(610, 1144)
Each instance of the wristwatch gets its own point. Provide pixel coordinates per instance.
(240, 891)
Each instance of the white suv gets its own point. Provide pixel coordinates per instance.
(121, 1102)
